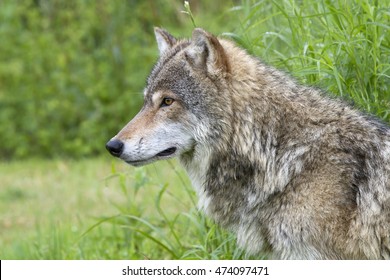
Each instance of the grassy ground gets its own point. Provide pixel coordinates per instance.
(103, 209)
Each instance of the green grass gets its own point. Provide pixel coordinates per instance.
(338, 45)
(103, 209)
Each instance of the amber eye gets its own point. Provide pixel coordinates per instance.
(167, 101)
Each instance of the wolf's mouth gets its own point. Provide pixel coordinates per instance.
(167, 152)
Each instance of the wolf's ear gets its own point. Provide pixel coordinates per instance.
(207, 52)
(165, 41)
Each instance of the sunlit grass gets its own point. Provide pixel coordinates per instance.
(42, 201)
(103, 209)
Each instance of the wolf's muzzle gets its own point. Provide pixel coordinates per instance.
(115, 147)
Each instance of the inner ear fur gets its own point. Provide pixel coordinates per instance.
(164, 39)
(207, 51)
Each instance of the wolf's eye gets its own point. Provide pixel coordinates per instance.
(167, 101)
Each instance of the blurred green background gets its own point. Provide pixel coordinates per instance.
(72, 72)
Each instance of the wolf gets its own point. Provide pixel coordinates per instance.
(292, 171)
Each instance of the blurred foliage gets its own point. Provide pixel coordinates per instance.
(72, 72)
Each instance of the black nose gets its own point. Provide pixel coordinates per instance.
(115, 147)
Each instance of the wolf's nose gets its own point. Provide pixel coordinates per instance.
(115, 147)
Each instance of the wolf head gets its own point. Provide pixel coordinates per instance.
(182, 102)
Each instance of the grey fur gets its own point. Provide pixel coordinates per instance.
(287, 168)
